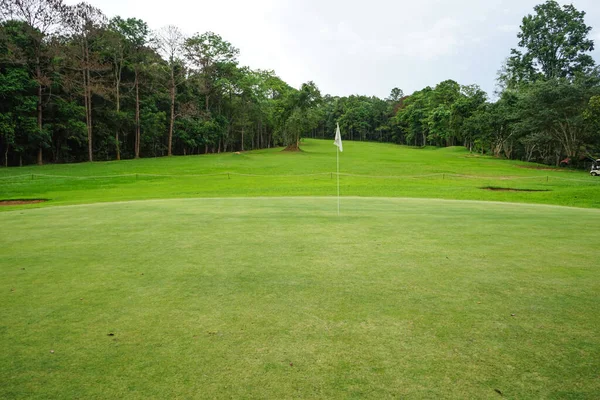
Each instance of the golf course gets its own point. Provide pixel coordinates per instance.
(447, 274)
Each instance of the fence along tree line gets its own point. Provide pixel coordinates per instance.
(75, 86)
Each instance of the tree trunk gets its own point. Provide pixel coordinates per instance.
(118, 69)
(258, 135)
(38, 72)
(172, 122)
(90, 131)
(242, 138)
(6, 155)
(39, 117)
(137, 115)
(87, 111)
(117, 144)
(88, 95)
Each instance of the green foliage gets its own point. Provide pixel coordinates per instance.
(134, 31)
(140, 93)
(558, 107)
(438, 116)
(153, 127)
(592, 113)
(554, 44)
(395, 95)
(18, 106)
(299, 113)
(206, 51)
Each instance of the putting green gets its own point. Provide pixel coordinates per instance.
(280, 298)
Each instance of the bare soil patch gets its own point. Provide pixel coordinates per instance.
(543, 168)
(501, 189)
(16, 202)
(292, 147)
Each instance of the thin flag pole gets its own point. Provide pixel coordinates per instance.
(338, 144)
(338, 178)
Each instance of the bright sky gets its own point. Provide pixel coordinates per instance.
(357, 47)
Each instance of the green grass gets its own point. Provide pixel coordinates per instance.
(238, 287)
(279, 298)
(390, 171)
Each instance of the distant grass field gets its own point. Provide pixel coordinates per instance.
(200, 284)
(279, 298)
(386, 171)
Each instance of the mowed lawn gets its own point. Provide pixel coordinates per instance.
(280, 298)
(369, 169)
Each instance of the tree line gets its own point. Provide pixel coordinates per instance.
(77, 86)
(547, 108)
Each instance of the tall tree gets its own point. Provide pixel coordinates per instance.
(41, 17)
(84, 23)
(395, 95)
(170, 44)
(209, 53)
(553, 43)
(592, 117)
(116, 49)
(18, 92)
(302, 113)
(559, 107)
(136, 34)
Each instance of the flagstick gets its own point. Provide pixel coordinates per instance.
(338, 178)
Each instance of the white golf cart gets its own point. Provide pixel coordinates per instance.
(595, 171)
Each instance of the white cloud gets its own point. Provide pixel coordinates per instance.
(509, 28)
(443, 38)
(354, 46)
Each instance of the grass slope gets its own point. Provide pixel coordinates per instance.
(278, 298)
(400, 171)
(241, 296)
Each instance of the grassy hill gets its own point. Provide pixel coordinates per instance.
(217, 286)
(369, 169)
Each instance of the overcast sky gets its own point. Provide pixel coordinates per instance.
(357, 47)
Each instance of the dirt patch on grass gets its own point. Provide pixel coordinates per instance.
(540, 168)
(292, 147)
(501, 189)
(16, 202)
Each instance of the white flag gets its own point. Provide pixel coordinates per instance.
(338, 139)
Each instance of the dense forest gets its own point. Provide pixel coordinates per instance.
(76, 86)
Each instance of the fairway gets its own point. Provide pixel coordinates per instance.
(280, 298)
(367, 169)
